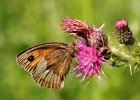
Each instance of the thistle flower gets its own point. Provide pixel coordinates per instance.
(124, 34)
(90, 47)
(89, 61)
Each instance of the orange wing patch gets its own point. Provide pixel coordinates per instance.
(36, 55)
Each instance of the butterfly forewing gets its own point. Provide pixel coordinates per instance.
(48, 63)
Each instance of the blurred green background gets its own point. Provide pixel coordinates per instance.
(24, 23)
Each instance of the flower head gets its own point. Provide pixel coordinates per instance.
(124, 34)
(89, 60)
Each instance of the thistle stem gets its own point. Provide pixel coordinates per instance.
(124, 56)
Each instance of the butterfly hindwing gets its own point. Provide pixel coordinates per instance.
(53, 75)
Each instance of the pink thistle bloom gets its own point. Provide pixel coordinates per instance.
(74, 26)
(89, 61)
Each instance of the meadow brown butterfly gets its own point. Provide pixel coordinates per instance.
(48, 63)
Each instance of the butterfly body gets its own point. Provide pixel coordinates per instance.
(48, 63)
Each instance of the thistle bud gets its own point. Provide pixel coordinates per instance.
(124, 34)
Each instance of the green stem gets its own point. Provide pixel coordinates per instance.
(122, 55)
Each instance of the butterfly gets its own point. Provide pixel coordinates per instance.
(48, 63)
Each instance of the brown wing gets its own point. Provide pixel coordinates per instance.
(48, 63)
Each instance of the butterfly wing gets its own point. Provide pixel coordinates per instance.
(48, 63)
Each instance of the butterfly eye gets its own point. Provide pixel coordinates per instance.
(31, 58)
